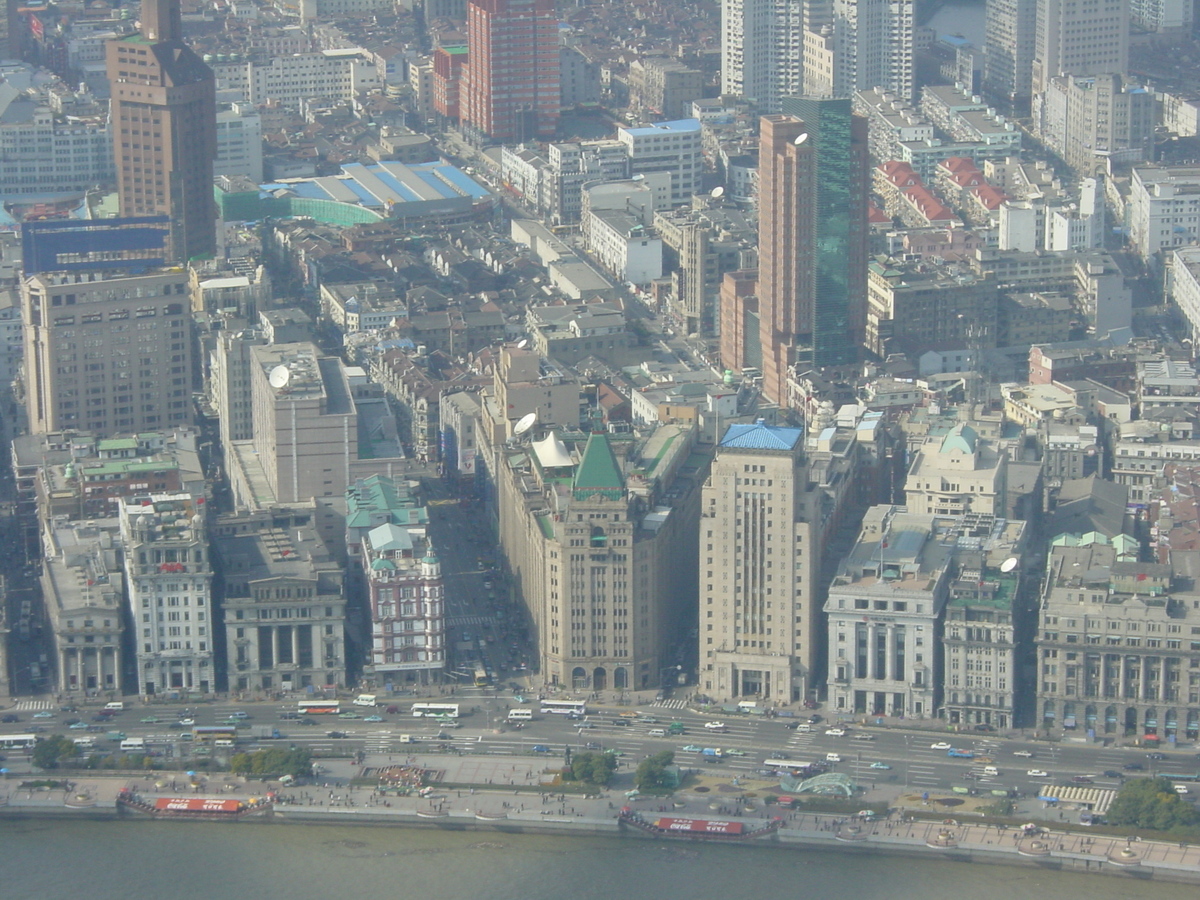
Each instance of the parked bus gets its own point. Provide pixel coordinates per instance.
(435, 710)
(575, 708)
(481, 677)
(17, 741)
(137, 745)
(319, 707)
(208, 733)
(791, 765)
(520, 714)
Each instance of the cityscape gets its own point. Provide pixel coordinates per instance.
(774, 423)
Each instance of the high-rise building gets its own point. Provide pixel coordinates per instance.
(866, 44)
(107, 354)
(164, 129)
(1008, 49)
(762, 47)
(511, 90)
(1079, 39)
(759, 561)
(813, 183)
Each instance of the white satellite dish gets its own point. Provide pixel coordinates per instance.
(522, 343)
(801, 138)
(717, 193)
(1009, 564)
(280, 376)
(526, 422)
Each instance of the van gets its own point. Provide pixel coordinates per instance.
(223, 742)
(406, 739)
(990, 770)
(658, 732)
(804, 728)
(85, 743)
(364, 700)
(115, 705)
(133, 744)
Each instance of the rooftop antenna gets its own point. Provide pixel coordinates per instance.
(1008, 565)
(526, 422)
(522, 343)
(280, 376)
(801, 138)
(717, 193)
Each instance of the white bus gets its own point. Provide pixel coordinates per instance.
(575, 708)
(136, 744)
(319, 707)
(435, 710)
(791, 765)
(520, 714)
(17, 741)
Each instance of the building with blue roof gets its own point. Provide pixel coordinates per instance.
(761, 436)
(672, 147)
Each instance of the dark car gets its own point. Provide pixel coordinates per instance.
(308, 721)
(335, 734)
(541, 748)
(1112, 773)
(1133, 767)
(592, 745)
(982, 726)
(10, 717)
(289, 715)
(814, 719)
(1156, 756)
(100, 717)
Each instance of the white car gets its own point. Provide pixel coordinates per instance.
(941, 745)
(1024, 754)
(833, 757)
(836, 732)
(715, 726)
(1037, 773)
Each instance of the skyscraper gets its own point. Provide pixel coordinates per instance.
(164, 125)
(812, 225)
(1080, 39)
(510, 92)
(762, 47)
(759, 562)
(1009, 30)
(871, 45)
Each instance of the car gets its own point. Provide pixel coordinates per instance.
(814, 719)
(1080, 779)
(1112, 773)
(792, 725)
(861, 736)
(591, 745)
(880, 765)
(10, 717)
(714, 726)
(540, 748)
(833, 757)
(335, 734)
(1181, 789)
(44, 714)
(836, 732)
(624, 723)
(735, 752)
(1037, 773)
(37, 729)
(373, 719)
(150, 720)
(392, 710)
(238, 714)
(983, 726)
(349, 715)
(1156, 756)
(101, 717)
(488, 585)
(1133, 767)
(289, 715)
(307, 720)
(186, 722)
(691, 748)
(584, 726)
(1024, 754)
(941, 745)
(78, 725)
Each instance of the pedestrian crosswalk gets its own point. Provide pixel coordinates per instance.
(33, 704)
(670, 704)
(477, 621)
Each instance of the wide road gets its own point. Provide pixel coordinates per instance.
(747, 741)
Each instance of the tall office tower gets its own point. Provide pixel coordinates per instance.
(1008, 49)
(759, 560)
(107, 354)
(812, 226)
(872, 46)
(164, 125)
(510, 93)
(762, 47)
(1080, 39)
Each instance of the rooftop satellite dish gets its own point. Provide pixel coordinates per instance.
(801, 138)
(522, 343)
(717, 193)
(526, 422)
(279, 377)
(1009, 564)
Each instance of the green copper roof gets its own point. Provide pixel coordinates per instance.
(598, 472)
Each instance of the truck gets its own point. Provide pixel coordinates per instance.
(713, 752)
(265, 732)
(960, 754)
(364, 700)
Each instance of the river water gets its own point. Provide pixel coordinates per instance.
(141, 860)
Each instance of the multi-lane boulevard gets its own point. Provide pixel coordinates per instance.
(746, 742)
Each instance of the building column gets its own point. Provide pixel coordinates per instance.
(872, 648)
(81, 665)
(296, 652)
(1162, 683)
(64, 671)
(1124, 692)
(277, 643)
(891, 633)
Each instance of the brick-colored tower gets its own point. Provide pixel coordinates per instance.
(164, 124)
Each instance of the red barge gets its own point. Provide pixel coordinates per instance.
(679, 828)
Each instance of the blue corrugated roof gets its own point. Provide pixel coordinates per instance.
(461, 180)
(361, 192)
(401, 189)
(676, 125)
(761, 436)
(434, 182)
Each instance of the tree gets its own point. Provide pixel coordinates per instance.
(1151, 803)
(276, 761)
(651, 772)
(49, 753)
(592, 768)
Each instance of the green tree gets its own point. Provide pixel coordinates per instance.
(276, 761)
(651, 772)
(47, 754)
(1151, 803)
(592, 768)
